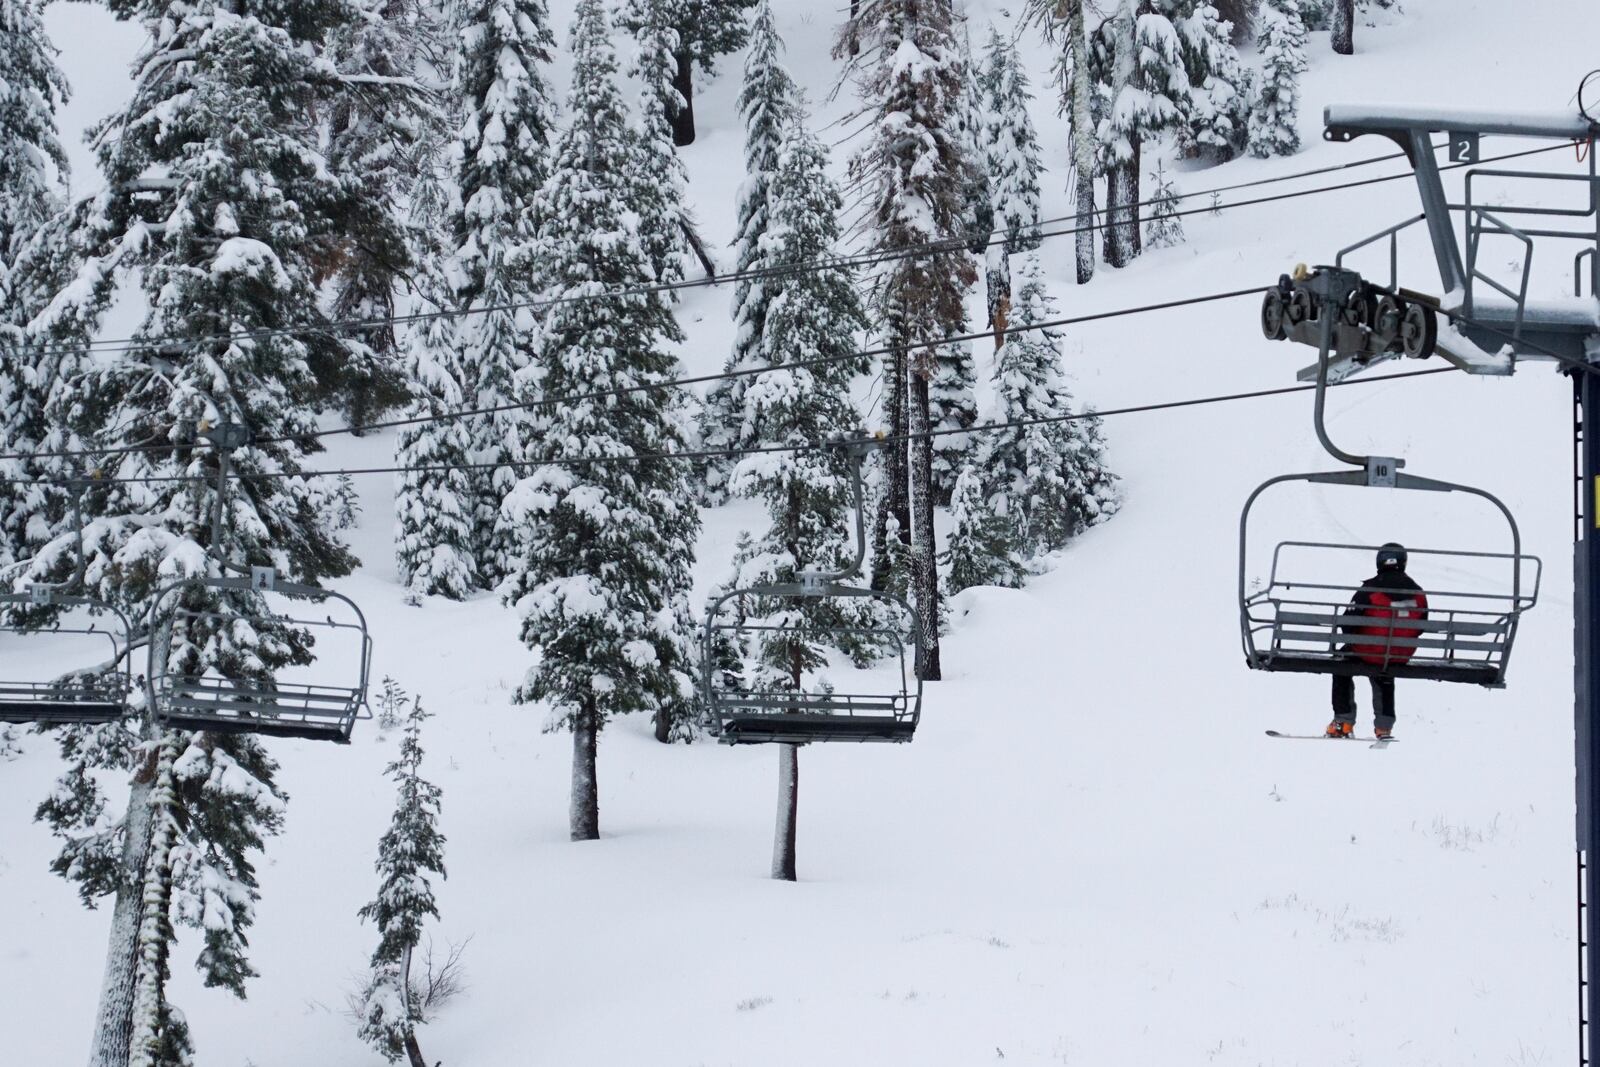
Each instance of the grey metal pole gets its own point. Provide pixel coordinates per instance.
(1586, 695)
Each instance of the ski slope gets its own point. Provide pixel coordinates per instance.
(1091, 855)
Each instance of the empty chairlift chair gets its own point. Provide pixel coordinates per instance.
(94, 687)
(255, 704)
(248, 699)
(95, 692)
(743, 712)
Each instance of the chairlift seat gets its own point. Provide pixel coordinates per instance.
(95, 696)
(741, 716)
(1310, 628)
(315, 712)
(28, 702)
(800, 729)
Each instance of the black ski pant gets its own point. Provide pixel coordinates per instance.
(1344, 700)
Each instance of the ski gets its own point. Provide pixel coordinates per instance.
(1372, 742)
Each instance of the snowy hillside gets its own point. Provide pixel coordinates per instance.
(1090, 855)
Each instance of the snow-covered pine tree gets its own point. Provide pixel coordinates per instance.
(1147, 94)
(602, 569)
(1049, 480)
(952, 405)
(909, 75)
(1274, 122)
(659, 198)
(1315, 14)
(1216, 120)
(219, 141)
(409, 851)
(502, 154)
(1011, 157)
(376, 124)
(1342, 26)
(1165, 227)
(32, 163)
(978, 220)
(433, 493)
(979, 549)
(702, 31)
(808, 496)
(767, 102)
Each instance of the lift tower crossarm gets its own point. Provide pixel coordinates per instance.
(1493, 319)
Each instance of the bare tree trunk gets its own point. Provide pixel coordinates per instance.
(1082, 144)
(1120, 194)
(997, 278)
(584, 813)
(896, 503)
(1342, 19)
(413, 1050)
(683, 120)
(783, 844)
(691, 237)
(924, 562)
(1135, 209)
(113, 1028)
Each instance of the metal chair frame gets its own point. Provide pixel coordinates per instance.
(241, 705)
(1285, 632)
(743, 717)
(89, 697)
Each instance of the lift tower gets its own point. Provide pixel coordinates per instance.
(1485, 324)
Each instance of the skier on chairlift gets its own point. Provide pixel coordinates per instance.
(1386, 597)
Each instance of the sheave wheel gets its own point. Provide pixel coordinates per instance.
(1386, 322)
(1419, 331)
(1272, 312)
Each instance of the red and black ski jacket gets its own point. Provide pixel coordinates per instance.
(1386, 598)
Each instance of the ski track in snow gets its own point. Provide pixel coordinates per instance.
(1090, 855)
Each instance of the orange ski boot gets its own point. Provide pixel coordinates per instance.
(1340, 729)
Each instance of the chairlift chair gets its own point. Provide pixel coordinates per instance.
(1303, 625)
(740, 714)
(261, 704)
(94, 694)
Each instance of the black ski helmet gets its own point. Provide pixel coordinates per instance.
(1392, 556)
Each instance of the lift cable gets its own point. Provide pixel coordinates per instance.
(860, 260)
(731, 453)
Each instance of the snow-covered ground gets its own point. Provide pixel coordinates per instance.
(1090, 855)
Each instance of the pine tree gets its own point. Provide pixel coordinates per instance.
(979, 551)
(31, 164)
(433, 494)
(502, 149)
(1342, 24)
(1274, 123)
(1048, 479)
(220, 141)
(1216, 118)
(411, 850)
(1165, 227)
(32, 161)
(160, 1033)
(912, 168)
(767, 102)
(701, 30)
(378, 120)
(1084, 145)
(972, 128)
(1011, 154)
(1146, 95)
(813, 315)
(952, 405)
(602, 571)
